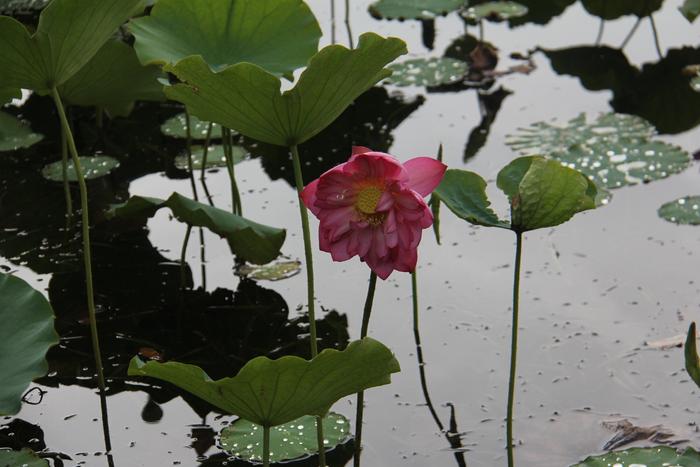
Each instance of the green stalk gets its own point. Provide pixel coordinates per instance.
(308, 256)
(351, 42)
(266, 446)
(513, 348)
(205, 152)
(64, 173)
(183, 254)
(361, 395)
(237, 207)
(87, 258)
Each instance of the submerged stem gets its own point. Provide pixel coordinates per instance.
(266, 446)
(361, 395)
(87, 259)
(513, 348)
(308, 256)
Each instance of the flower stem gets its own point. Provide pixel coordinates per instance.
(361, 395)
(513, 348)
(64, 173)
(308, 255)
(87, 258)
(266, 446)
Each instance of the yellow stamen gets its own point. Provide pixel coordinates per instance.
(368, 199)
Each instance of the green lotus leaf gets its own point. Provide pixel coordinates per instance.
(434, 71)
(215, 157)
(69, 34)
(692, 361)
(9, 93)
(247, 98)
(277, 35)
(289, 441)
(272, 392)
(26, 335)
(271, 272)
(645, 457)
(544, 193)
(24, 458)
(497, 11)
(14, 134)
(413, 9)
(684, 210)
(464, 193)
(113, 79)
(609, 10)
(248, 240)
(690, 9)
(176, 127)
(92, 167)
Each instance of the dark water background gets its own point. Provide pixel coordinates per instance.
(594, 290)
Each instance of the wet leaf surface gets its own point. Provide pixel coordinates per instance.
(645, 457)
(23, 458)
(92, 167)
(427, 72)
(15, 134)
(271, 272)
(684, 210)
(494, 11)
(215, 157)
(176, 127)
(413, 9)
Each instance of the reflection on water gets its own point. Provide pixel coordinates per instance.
(590, 297)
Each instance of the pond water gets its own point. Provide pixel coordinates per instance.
(594, 291)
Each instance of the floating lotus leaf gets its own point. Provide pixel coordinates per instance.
(26, 335)
(14, 134)
(495, 11)
(215, 157)
(684, 210)
(692, 361)
(113, 79)
(277, 35)
(272, 392)
(271, 272)
(542, 193)
(428, 72)
(246, 98)
(289, 441)
(609, 10)
(24, 458)
(645, 457)
(690, 9)
(413, 9)
(92, 167)
(248, 240)
(176, 127)
(69, 34)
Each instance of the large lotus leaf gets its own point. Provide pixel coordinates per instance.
(91, 167)
(625, 162)
(464, 193)
(277, 35)
(690, 9)
(684, 210)
(9, 93)
(498, 11)
(215, 157)
(413, 9)
(24, 458)
(429, 72)
(113, 79)
(645, 457)
(692, 361)
(289, 441)
(545, 138)
(544, 193)
(607, 9)
(26, 335)
(248, 240)
(176, 127)
(69, 34)
(247, 98)
(272, 392)
(14, 134)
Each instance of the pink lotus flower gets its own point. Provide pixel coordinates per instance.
(372, 206)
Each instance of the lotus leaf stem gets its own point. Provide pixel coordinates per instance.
(513, 348)
(64, 173)
(266, 446)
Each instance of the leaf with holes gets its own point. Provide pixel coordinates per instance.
(413, 9)
(246, 98)
(651, 457)
(248, 240)
(15, 134)
(272, 392)
(69, 34)
(289, 441)
(276, 35)
(436, 71)
(176, 127)
(92, 167)
(26, 335)
(684, 210)
(215, 157)
(494, 11)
